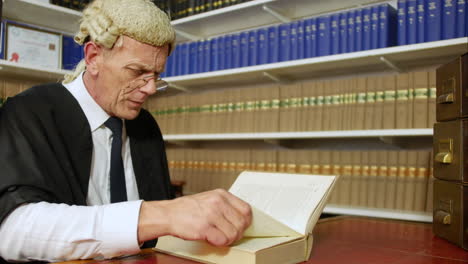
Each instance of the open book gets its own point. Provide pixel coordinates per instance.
(286, 208)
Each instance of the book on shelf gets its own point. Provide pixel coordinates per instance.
(286, 208)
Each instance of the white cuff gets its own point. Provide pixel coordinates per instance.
(119, 233)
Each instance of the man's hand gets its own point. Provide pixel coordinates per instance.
(215, 216)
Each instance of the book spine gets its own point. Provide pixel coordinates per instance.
(175, 65)
(462, 18)
(221, 53)
(324, 43)
(402, 25)
(300, 40)
(262, 51)
(200, 56)
(236, 52)
(67, 51)
(351, 35)
(193, 49)
(228, 52)
(293, 54)
(375, 27)
(358, 30)
(253, 48)
(273, 44)
(411, 20)
(433, 20)
(449, 19)
(343, 32)
(366, 22)
(244, 49)
(387, 31)
(285, 42)
(421, 13)
(206, 55)
(335, 33)
(214, 63)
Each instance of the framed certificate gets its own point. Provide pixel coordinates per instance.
(33, 46)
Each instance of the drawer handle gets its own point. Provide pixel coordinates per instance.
(444, 157)
(445, 99)
(442, 217)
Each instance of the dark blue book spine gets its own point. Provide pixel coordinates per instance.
(335, 33)
(207, 56)
(433, 19)
(170, 60)
(421, 13)
(228, 55)
(388, 26)
(253, 47)
(374, 27)
(285, 42)
(67, 51)
(221, 53)
(351, 35)
(462, 18)
(244, 49)
(200, 56)
(358, 30)
(449, 19)
(343, 32)
(214, 46)
(314, 37)
(273, 44)
(176, 61)
(293, 54)
(262, 51)
(324, 36)
(402, 25)
(193, 49)
(236, 51)
(186, 58)
(411, 20)
(366, 22)
(300, 40)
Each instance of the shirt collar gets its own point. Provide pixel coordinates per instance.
(94, 113)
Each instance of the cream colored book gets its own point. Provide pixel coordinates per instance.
(286, 208)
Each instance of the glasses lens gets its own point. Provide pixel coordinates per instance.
(161, 85)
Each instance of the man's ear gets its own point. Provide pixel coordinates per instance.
(93, 57)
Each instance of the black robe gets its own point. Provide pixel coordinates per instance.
(46, 149)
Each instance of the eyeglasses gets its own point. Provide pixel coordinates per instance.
(160, 84)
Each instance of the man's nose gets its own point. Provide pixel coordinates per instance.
(150, 87)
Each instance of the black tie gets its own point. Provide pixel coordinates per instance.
(117, 176)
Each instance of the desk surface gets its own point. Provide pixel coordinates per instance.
(352, 240)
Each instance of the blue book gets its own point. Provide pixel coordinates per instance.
(228, 55)
(374, 27)
(262, 51)
(433, 20)
(214, 62)
(421, 22)
(462, 18)
(185, 58)
(366, 20)
(176, 62)
(335, 33)
(310, 44)
(253, 47)
(200, 56)
(449, 19)
(358, 30)
(351, 35)
(402, 23)
(343, 32)
(244, 49)
(388, 26)
(236, 51)
(169, 62)
(193, 50)
(221, 53)
(300, 40)
(207, 56)
(273, 44)
(285, 42)
(324, 36)
(67, 51)
(411, 20)
(293, 27)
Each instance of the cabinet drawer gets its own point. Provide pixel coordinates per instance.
(452, 90)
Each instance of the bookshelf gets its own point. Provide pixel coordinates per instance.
(401, 58)
(42, 14)
(22, 70)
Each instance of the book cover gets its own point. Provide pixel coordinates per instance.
(335, 33)
(293, 42)
(201, 56)
(253, 48)
(374, 27)
(431, 105)
(285, 42)
(433, 20)
(389, 85)
(310, 37)
(193, 49)
(410, 181)
(370, 103)
(359, 115)
(388, 26)
(177, 61)
(411, 21)
(402, 23)
(206, 56)
(391, 184)
(402, 100)
(324, 35)
(221, 53)
(236, 51)
(228, 52)
(351, 35)
(69, 58)
(280, 230)
(366, 26)
(449, 19)
(183, 58)
(381, 180)
(421, 22)
(359, 30)
(273, 44)
(343, 32)
(262, 51)
(401, 178)
(214, 62)
(421, 99)
(377, 83)
(422, 176)
(462, 19)
(300, 40)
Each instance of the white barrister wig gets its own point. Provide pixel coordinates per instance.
(104, 21)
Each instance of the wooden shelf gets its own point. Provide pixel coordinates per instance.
(252, 15)
(13, 69)
(404, 57)
(379, 213)
(42, 14)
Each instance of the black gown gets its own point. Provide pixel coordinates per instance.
(46, 149)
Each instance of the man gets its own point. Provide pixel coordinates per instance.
(66, 158)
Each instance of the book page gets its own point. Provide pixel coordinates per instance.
(264, 225)
(258, 243)
(289, 198)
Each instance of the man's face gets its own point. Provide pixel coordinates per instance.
(120, 89)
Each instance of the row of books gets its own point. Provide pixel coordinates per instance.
(182, 8)
(431, 20)
(50, 49)
(397, 180)
(405, 100)
(348, 31)
(73, 4)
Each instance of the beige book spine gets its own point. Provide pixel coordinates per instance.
(401, 180)
(381, 178)
(272, 112)
(421, 180)
(431, 111)
(421, 99)
(335, 106)
(370, 110)
(402, 100)
(319, 106)
(410, 182)
(390, 192)
(356, 178)
(327, 106)
(335, 168)
(308, 92)
(238, 112)
(372, 183)
(346, 105)
(346, 177)
(430, 188)
(379, 100)
(284, 108)
(389, 86)
(363, 187)
(359, 103)
(314, 161)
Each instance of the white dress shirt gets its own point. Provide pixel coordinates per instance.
(58, 232)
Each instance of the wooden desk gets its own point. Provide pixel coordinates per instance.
(350, 240)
